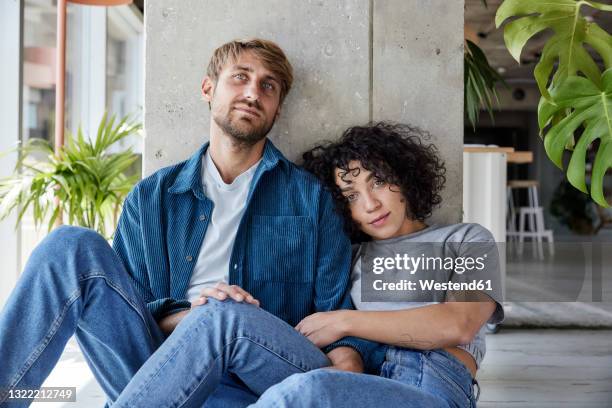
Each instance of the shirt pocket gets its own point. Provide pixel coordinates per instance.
(282, 248)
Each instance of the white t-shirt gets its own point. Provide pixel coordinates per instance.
(229, 202)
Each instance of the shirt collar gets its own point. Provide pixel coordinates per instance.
(190, 176)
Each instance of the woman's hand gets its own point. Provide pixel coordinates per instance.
(324, 328)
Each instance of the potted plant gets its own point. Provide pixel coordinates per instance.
(85, 182)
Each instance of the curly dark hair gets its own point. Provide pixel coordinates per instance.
(395, 153)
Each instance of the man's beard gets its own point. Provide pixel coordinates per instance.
(247, 136)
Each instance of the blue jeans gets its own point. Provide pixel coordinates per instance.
(74, 283)
(409, 378)
(217, 338)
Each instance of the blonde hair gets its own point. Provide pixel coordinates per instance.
(268, 52)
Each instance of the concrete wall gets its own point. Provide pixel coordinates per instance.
(417, 56)
(354, 61)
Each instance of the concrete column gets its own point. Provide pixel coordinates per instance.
(417, 78)
(354, 61)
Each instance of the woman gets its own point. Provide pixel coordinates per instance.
(386, 182)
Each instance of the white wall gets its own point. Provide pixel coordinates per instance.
(10, 118)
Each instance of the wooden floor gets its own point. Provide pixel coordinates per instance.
(536, 368)
(547, 368)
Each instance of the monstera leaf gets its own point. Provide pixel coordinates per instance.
(570, 32)
(577, 95)
(590, 106)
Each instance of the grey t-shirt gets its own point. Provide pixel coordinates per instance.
(447, 243)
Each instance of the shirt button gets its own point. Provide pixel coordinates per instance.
(189, 258)
(202, 217)
(235, 266)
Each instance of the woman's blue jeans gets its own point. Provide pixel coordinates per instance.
(408, 379)
(74, 283)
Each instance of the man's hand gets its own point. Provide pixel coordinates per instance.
(169, 323)
(324, 328)
(222, 291)
(346, 359)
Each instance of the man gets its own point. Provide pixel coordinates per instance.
(236, 221)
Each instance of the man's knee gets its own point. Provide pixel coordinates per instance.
(231, 316)
(65, 238)
(229, 309)
(67, 246)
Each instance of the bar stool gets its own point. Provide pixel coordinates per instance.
(530, 219)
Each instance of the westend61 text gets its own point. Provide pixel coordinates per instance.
(406, 285)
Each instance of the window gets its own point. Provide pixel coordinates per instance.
(104, 71)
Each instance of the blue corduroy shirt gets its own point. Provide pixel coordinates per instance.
(290, 250)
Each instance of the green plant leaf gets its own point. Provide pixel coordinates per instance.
(566, 46)
(25, 204)
(590, 106)
(53, 218)
(599, 6)
(88, 180)
(480, 80)
(102, 126)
